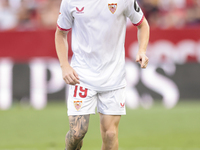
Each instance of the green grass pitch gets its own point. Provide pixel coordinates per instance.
(23, 128)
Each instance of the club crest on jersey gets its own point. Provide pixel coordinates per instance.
(112, 7)
(79, 10)
(77, 104)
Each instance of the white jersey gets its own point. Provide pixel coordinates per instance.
(98, 36)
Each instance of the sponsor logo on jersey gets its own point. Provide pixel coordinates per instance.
(122, 105)
(77, 105)
(79, 10)
(112, 7)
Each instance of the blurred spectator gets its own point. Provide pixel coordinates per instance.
(8, 18)
(193, 13)
(39, 14)
(167, 14)
(49, 10)
(27, 15)
(151, 11)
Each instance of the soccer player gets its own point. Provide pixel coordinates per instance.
(96, 74)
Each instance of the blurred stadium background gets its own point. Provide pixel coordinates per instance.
(163, 101)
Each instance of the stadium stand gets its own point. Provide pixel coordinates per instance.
(25, 15)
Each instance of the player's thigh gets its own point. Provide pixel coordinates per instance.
(81, 101)
(112, 102)
(109, 123)
(79, 125)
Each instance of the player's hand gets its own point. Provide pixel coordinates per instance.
(142, 59)
(70, 76)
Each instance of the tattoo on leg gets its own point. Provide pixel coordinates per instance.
(79, 145)
(78, 129)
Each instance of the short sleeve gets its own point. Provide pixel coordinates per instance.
(134, 12)
(65, 19)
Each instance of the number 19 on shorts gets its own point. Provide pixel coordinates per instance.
(82, 92)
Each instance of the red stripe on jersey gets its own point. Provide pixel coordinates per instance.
(139, 23)
(62, 28)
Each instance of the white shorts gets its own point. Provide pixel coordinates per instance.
(83, 101)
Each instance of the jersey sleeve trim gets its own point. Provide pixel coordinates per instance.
(63, 28)
(139, 23)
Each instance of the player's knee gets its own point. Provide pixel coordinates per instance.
(79, 135)
(110, 135)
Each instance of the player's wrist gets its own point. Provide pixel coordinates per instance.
(142, 52)
(65, 65)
